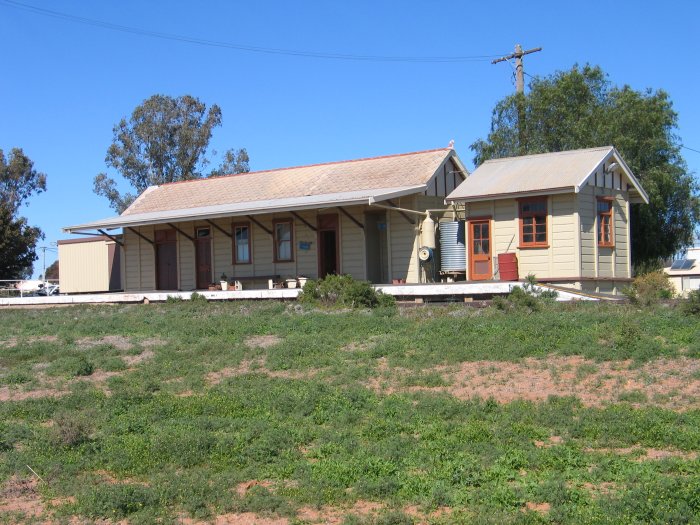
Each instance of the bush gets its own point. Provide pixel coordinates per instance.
(691, 304)
(343, 290)
(70, 430)
(649, 289)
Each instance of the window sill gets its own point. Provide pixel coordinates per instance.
(236, 263)
(532, 246)
(611, 246)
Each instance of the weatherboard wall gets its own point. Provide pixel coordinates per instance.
(403, 241)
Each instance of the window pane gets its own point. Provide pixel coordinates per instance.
(541, 229)
(534, 207)
(283, 237)
(527, 237)
(604, 206)
(285, 251)
(242, 253)
(527, 228)
(284, 231)
(541, 237)
(485, 246)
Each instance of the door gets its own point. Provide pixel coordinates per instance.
(166, 260)
(328, 245)
(480, 266)
(203, 258)
(376, 248)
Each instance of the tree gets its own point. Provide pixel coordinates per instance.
(18, 181)
(235, 161)
(17, 245)
(52, 271)
(164, 140)
(580, 108)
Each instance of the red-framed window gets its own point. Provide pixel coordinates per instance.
(242, 243)
(606, 222)
(533, 222)
(283, 233)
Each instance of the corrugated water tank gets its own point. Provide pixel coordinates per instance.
(453, 254)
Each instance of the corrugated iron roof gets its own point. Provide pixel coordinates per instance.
(348, 198)
(560, 172)
(408, 169)
(332, 184)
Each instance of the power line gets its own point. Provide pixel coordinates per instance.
(691, 149)
(239, 47)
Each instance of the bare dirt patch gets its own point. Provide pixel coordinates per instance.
(15, 394)
(132, 360)
(669, 383)
(646, 454)
(21, 496)
(257, 366)
(13, 341)
(119, 342)
(236, 518)
(243, 488)
(541, 508)
(262, 341)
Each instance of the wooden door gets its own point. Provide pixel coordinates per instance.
(480, 265)
(203, 258)
(328, 245)
(166, 260)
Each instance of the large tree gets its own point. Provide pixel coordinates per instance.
(18, 181)
(164, 140)
(580, 108)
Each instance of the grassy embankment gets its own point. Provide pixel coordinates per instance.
(579, 413)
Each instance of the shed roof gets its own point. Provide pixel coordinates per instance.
(331, 184)
(560, 172)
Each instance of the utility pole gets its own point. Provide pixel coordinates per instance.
(519, 73)
(519, 91)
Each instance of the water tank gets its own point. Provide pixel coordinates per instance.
(453, 253)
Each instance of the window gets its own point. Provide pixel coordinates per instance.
(283, 240)
(533, 223)
(241, 243)
(202, 233)
(605, 222)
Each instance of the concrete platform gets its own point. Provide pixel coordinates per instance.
(427, 292)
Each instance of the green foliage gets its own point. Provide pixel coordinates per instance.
(18, 181)
(234, 161)
(343, 290)
(198, 298)
(579, 108)
(691, 304)
(170, 442)
(528, 296)
(164, 140)
(649, 289)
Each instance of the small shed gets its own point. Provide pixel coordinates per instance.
(93, 264)
(564, 217)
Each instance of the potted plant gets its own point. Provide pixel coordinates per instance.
(302, 280)
(224, 281)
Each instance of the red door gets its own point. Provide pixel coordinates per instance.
(203, 258)
(480, 266)
(166, 260)
(328, 245)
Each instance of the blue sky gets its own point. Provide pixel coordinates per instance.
(65, 85)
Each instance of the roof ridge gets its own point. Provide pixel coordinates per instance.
(551, 153)
(309, 166)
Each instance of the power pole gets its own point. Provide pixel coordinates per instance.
(519, 73)
(519, 91)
